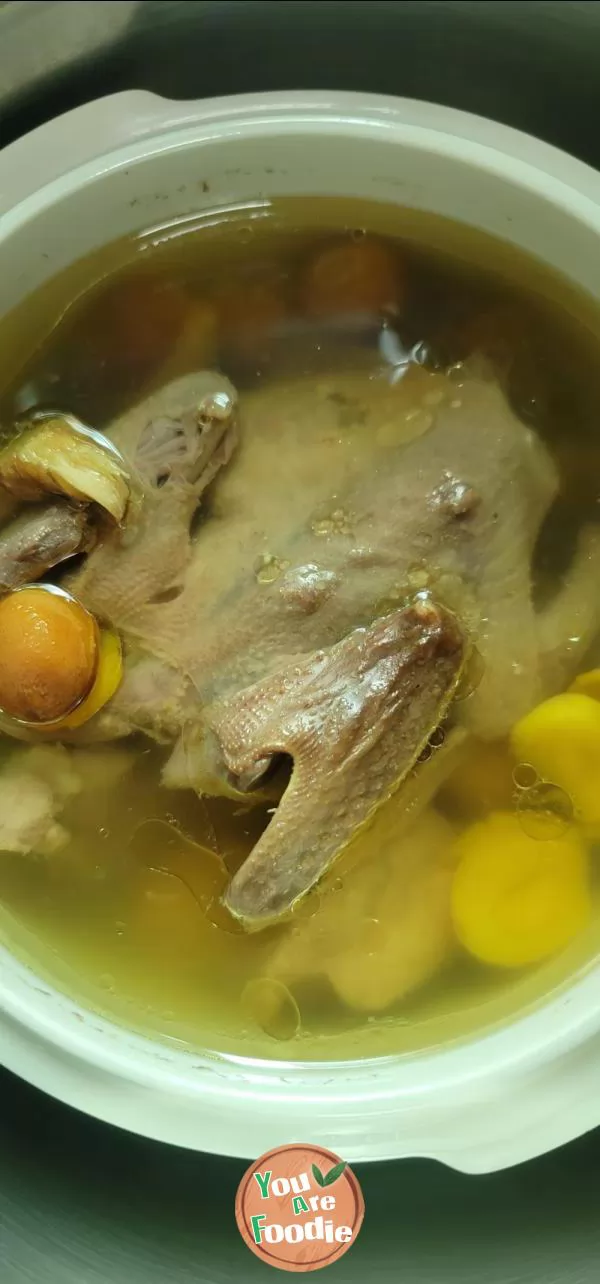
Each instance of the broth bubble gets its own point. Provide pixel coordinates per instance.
(524, 776)
(545, 811)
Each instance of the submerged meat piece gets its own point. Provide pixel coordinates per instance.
(388, 928)
(411, 926)
(175, 442)
(153, 698)
(456, 510)
(34, 787)
(45, 788)
(28, 821)
(40, 537)
(344, 499)
(354, 719)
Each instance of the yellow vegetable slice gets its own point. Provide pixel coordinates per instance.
(587, 684)
(108, 678)
(517, 900)
(561, 740)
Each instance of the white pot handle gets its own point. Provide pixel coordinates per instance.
(97, 128)
(85, 134)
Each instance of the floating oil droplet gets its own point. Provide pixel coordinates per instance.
(472, 676)
(524, 776)
(337, 884)
(335, 523)
(437, 738)
(545, 811)
(358, 233)
(268, 568)
(272, 1007)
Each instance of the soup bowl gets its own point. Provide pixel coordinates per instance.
(486, 1101)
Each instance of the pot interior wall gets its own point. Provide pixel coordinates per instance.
(185, 175)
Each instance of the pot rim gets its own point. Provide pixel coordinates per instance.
(39, 1018)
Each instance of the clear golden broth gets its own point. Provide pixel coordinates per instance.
(126, 918)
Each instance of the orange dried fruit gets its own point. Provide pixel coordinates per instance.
(48, 654)
(354, 276)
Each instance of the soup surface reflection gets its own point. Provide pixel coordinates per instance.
(300, 630)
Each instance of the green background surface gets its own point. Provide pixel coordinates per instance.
(85, 1204)
(81, 1203)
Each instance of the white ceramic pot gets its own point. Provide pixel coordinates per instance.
(133, 160)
